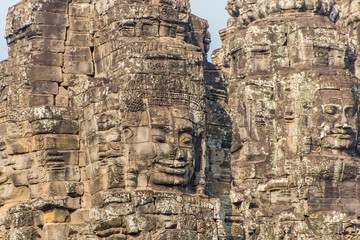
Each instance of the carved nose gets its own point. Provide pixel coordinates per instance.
(180, 154)
(177, 154)
(344, 119)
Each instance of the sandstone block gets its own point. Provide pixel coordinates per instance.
(62, 99)
(86, 201)
(79, 25)
(41, 99)
(46, 73)
(55, 126)
(79, 39)
(36, 190)
(48, 18)
(102, 51)
(142, 197)
(78, 54)
(20, 219)
(19, 146)
(74, 189)
(54, 156)
(119, 209)
(147, 208)
(167, 31)
(48, 59)
(47, 33)
(56, 216)
(18, 130)
(56, 231)
(10, 193)
(20, 178)
(105, 182)
(41, 38)
(103, 64)
(80, 217)
(100, 199)
(72, 203)
(132, 223)
(52, 112)
(67, 173)
(79, 10)
(53, 6)
(79, 67)
(53, 189)
(65, 142)
(4, 174)
(39, 218)
(22, 162)
(168, 206)
(45, 87)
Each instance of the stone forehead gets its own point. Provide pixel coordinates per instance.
(273, 6)
(335, 95)
(245, 12)
(341, 81)
(144, 9)
(166, 116)
(155, 47)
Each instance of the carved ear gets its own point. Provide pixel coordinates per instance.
(128, 133)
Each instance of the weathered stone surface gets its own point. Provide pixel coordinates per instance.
(106, 124)
(56, 216)
(113, 125)
(287, 64)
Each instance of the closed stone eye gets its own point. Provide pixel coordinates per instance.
(350, 111)
(186, 140)
(331, 109)
(159, 139)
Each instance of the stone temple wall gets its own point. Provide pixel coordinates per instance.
(114, 125)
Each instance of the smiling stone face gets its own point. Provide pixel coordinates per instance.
(337, 113)
(163, 152)
(173, 164)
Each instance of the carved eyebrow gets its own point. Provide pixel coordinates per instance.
(331, 105)
(189, 130)
(161, 128)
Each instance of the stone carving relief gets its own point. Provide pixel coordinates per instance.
(114, 125)
(293, 100)
(163, 151)
(337, 112)
(104, 128)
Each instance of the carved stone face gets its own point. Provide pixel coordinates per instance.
(162, 153)
(337, 115)
(173, 164)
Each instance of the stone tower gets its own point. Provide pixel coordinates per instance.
(291, 69)
(104, 124)
(114, 125)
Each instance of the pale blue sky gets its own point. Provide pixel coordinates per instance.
(212, 10)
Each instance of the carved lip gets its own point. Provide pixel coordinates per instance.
(174, 167)
(345, 136)
(342, 135)
(174, 171)
(173, 163)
